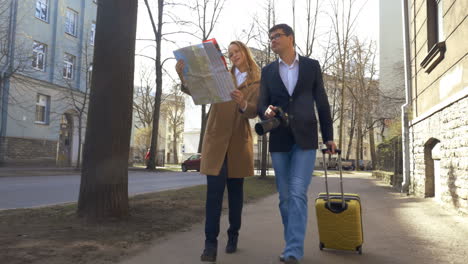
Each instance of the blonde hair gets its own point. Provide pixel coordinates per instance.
(253, 71)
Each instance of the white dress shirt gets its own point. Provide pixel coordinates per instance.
(289, 73)
(240, 78)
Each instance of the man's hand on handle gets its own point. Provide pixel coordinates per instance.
(331, 147)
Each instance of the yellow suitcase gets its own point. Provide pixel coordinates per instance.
(339, 217)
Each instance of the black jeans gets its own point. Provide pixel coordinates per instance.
(214, 203)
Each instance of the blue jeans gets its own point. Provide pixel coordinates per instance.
(293, 173)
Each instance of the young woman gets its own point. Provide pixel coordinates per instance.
(227, 151)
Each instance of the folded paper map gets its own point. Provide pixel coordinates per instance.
(205, 74)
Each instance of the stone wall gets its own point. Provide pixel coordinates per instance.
(449, 127)
(24, 151)
(388, 177)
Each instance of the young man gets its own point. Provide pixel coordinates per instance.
(295, 84)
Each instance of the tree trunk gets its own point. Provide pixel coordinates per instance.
(271, 20)
(264, 156)
(361, 148)
(358, 135)
(80, 131)
(174, 145)
(351, 131)
(104, 178)
(203, 127)
(372, 146)
(151, 165)
(340, 142)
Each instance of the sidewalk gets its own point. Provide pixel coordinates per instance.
(397, 229)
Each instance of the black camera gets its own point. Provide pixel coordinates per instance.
(265, 126)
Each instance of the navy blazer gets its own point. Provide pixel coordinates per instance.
(309, 92)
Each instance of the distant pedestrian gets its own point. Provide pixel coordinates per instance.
(147, 156)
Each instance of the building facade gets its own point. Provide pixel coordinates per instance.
(171, 125)
(438, 100)
(46, 76)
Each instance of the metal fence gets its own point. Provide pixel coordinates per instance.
(390, 158)
(258, 156)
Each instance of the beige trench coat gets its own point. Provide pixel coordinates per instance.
(228, 134)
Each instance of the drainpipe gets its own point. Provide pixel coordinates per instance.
(406, 108)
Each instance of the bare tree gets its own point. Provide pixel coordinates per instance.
(206, 13)
(343, 21)
(104, 178)
(5, 8)
(142, 141)
(79, 99)
(311, 27)
(157, 26)
(263, 24)
(15, 57)
(363, 72)
(174, 107)
(144, 100)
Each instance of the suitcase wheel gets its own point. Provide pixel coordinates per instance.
(359, 250)
(321, 246)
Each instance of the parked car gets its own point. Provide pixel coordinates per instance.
(363, 164)
(192, 163)
(347, 165)
(333, 164)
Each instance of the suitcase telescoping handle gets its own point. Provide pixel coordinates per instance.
(338, 151)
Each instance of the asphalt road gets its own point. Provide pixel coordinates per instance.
(34, 191)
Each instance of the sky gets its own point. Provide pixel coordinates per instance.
(237, 15)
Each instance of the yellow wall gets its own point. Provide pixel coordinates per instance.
(450, 75)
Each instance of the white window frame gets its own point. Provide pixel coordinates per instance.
(71, 22)
(92, 34)
(68, 66)
(440, 21)
(42, 4)
(44, 105)
(39, 54)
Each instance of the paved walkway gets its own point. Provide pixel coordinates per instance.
(397, 229)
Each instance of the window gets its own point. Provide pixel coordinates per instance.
(39, 56)
(92, 33)
(435, 26)
(70, 22)
(68, 62)
(42, 108)
(42, 9)
(435, 35)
